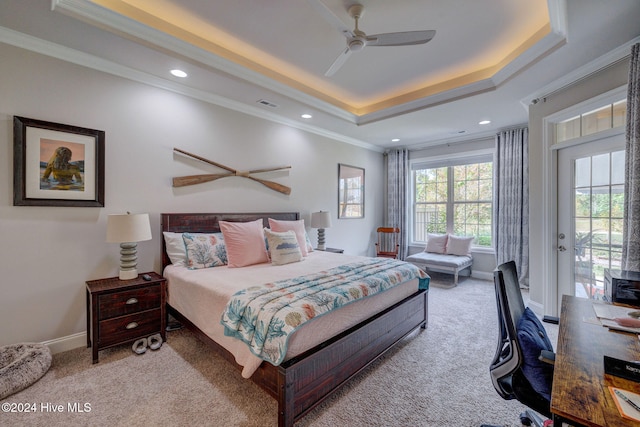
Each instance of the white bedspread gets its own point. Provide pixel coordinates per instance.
(201, 296)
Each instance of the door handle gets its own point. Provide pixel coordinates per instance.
(561, 248)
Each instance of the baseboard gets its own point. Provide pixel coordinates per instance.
(69, 342)
(482, 275)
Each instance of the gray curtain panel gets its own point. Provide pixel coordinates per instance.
(397, 194)
(511, 200)
(631, 227)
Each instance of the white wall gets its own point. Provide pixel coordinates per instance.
(49, 252)
(541, 235)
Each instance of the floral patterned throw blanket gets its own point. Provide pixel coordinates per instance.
(265, 316)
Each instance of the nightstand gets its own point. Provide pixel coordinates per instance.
(121, 311)
(333, 250)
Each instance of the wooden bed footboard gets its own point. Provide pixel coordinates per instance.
(301, 383)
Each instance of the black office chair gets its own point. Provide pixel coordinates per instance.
(522, 367)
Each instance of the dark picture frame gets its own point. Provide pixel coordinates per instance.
(56, 164)
(350, 192)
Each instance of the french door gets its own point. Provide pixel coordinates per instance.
(590, 189)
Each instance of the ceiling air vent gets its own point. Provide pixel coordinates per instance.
(267, 103)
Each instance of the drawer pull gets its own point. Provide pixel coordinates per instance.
(132, 325)
(132, 301)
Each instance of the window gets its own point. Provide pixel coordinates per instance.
(602, 118)
(455, 197)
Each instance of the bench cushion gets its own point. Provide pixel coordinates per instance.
(441, 260)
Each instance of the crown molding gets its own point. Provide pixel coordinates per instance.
(44, 47)
(618, 54)
(105, 18)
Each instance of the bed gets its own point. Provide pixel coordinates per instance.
(307, 376)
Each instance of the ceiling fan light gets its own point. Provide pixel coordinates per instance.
(356, 45)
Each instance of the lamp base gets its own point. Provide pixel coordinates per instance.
(321, 239)
(128, 260)
(128, 274)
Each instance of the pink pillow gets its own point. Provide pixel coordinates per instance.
(436, 243)
(295, 226)
(245, 243)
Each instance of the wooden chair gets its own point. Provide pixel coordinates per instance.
(388, 242)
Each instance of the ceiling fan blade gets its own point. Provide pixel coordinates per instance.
(339, 62)
(331, 18)
(400, 39)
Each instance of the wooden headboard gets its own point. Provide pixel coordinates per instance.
(208, 223)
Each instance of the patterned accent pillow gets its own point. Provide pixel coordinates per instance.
(283, 247)
(295, 226)
(308, 242)
(204, 250)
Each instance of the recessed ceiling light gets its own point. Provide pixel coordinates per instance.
(484, 122)
(306, 116)
(395, 140)
(178, 73)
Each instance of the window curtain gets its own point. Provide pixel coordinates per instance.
(397, 193)
(631, 223)
(511, 200)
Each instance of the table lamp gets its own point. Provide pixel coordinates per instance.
(321, 220)
(128, 229)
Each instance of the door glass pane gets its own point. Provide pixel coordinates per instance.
(600, 169)
(597, 219)
(583, 172)
(617, 167)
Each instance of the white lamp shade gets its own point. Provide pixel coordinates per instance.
(321, 219)
(122, 228)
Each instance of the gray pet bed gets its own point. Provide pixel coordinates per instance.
(22, 365)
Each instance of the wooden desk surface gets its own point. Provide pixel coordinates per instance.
(580, 390)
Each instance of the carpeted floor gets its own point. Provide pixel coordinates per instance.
(435, 377)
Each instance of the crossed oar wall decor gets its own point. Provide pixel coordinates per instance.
(182, 181)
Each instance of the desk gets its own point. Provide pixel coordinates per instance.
(580, 392)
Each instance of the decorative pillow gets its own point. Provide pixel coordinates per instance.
(459, 245)
(245, 243)
(204, 250)
(533, 339)
(295, 226)
(308, 242)
(175, 248)
(436, 243)
(283, 247)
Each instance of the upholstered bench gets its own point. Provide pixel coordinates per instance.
(453, 263)
(445, 252)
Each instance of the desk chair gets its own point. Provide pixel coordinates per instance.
(388, 242)
(522, 367)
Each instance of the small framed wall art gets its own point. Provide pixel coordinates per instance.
(56, 164)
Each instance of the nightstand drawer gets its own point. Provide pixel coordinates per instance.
(125, 328)
(121, 303)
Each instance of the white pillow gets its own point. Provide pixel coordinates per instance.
(436, 243)
(175, 248)
(283, 247)
(459, 245)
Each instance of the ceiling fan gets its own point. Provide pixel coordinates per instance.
(358, 40)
